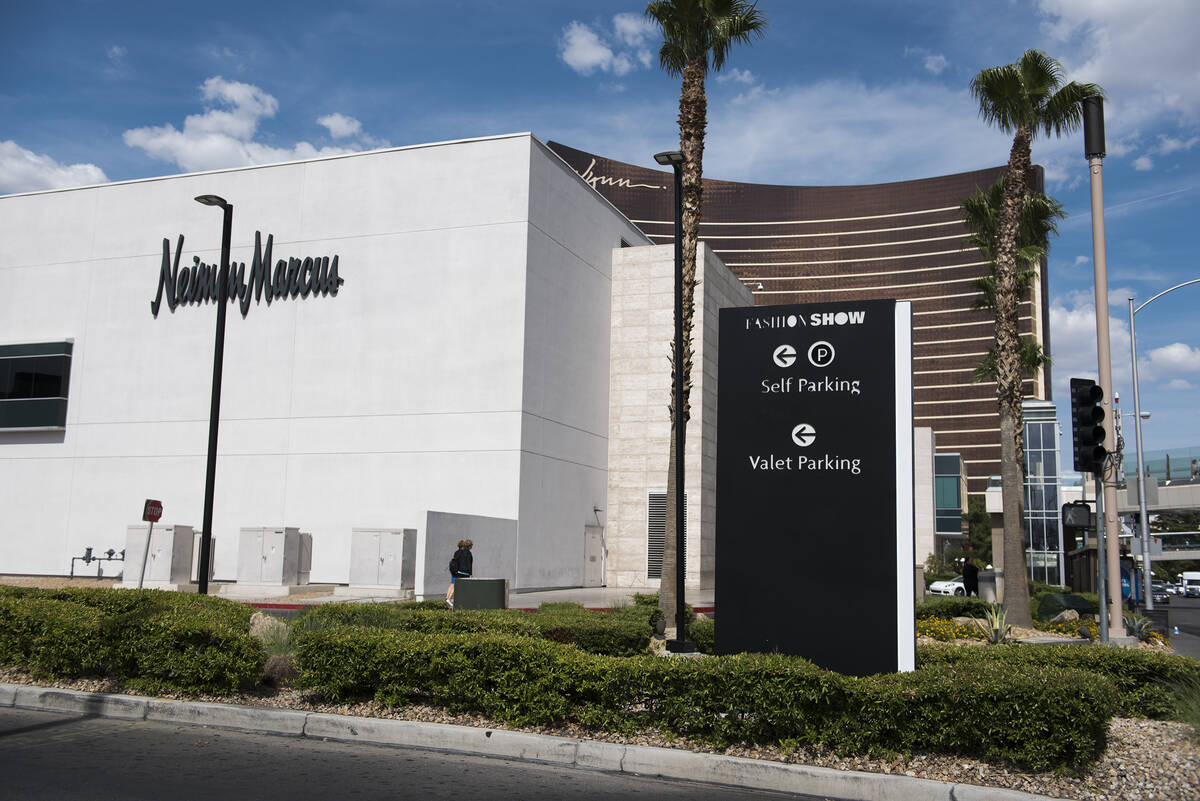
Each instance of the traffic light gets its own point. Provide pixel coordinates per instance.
(1087, 429)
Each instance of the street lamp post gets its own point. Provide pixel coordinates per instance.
(680, 644)
(1137, 427)
(215, 409)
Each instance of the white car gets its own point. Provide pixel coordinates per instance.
(954, 586)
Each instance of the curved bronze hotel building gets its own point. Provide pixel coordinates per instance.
(813, 244)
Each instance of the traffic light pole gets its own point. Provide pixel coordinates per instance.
(1094, 150)
(1101, 570)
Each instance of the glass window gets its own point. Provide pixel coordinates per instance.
(33, 377)
(1033, 466)
(1052, 542)
(1034, 498)
(946, 489)
(1033, 437)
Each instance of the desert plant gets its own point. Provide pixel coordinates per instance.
(994, 624)
(1138, 626)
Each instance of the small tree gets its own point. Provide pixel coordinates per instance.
(697, 34)
(1024, 99)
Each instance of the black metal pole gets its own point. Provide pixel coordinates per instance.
(214, 414)
(680, 643)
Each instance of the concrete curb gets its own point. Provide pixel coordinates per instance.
(667, 763)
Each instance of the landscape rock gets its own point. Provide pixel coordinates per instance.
(1065, 616)
(266, 628)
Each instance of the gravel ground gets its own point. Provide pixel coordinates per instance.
(1146, 760)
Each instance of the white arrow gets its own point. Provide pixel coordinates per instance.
(804, 435)
(784, 356)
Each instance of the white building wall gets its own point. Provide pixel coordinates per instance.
(428, 383)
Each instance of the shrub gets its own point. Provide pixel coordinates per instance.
(1142, 679)
(951, 607)
(703, 632)
(157, 640)
(407, 617)
(1034, 717)
(620, 632)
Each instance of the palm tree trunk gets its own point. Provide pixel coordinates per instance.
(693, 120)
(1009, 386)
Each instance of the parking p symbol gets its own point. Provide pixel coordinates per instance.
(820, 354)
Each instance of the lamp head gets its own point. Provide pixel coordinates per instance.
(212, 200)
(672, 157)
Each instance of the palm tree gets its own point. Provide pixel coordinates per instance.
(1039, 219)
(1024, 99)
(697, 34)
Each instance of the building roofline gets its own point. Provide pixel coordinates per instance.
(494, 137)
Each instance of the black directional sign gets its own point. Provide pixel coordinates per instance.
(814, 521)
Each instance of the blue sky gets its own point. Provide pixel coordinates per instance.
(853, 92)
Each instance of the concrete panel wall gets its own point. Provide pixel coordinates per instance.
(640, 389)
(924, 449)
(438, 534)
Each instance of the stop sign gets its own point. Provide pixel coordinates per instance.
(152, 511)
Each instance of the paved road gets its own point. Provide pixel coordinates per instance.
(1185, 613)
(46, 755)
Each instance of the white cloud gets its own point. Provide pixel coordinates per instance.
(1143, 54)
(735, 74)
(583, 51)
(933, 63)
(914, 130)
(1082, 260)
(1179, 384)
(1168, 362)
(586, 51)
(633, 30)
(1073, 339)
(1143, 163)
(116, 54)
(936, 63)
(223, 136)
(23, 170)
(340, 126)
(1168, 145)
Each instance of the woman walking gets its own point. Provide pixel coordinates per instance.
(460, 567)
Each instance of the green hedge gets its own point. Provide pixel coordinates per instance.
(621, 632)
(416, 618)
(157, 640)
(950, 607)
(1035, 718)
(1142, 679)
(703, 632)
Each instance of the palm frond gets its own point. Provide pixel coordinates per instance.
(1030, 95)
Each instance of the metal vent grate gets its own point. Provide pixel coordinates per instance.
(656, 527)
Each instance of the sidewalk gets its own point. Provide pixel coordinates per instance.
(590, 597)
(667, 763)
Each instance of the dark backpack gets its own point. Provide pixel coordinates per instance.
(454, 564)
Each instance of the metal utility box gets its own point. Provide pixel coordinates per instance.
(480, 593)
(169, 561)
(280, 556)
(383, 558)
